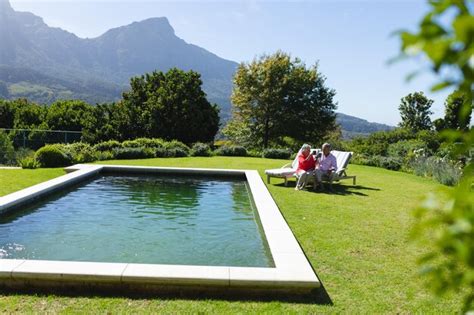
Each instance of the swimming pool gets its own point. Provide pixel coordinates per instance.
(150, 228)
(154, 219)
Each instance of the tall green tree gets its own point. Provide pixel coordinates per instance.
(452, 113)
(276, 96)
(29, 115)
(102, 124)
(169, 105)
(7, 114)
(445, 38)
(415, 112)
(68, 115)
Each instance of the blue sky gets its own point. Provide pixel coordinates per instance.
(351, 39)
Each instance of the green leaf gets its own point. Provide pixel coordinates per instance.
(441, 85)
(464, 28)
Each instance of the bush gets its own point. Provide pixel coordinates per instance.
(176, 152)
(442, 170)
(28, 162)
(231, 151)
(52, 155)
(176, 146)
(104, 155)
(283, 154)
(200, 149)
(405, 148)
(107, 145)
(22, 153)
(80, 152)
(254, 153)
(151, 143)
(133, 153)
(390, 163)
(7, 152)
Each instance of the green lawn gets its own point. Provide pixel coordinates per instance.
(356, 239)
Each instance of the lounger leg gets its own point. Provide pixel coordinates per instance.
(354, 181)
(286, 181)
(268, 179)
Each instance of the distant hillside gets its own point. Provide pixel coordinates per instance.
(352, 126)
(46, 63)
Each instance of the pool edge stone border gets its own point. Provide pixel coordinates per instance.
(292, 271)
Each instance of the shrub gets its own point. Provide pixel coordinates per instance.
(200, 149)
(80, 152)
(390, 163)
(233, 150)
(52, 155)
(107, 145)
(175, 145)
(152, 143)
(442, 170)
(405, 148)
(7, 152)
(254, 153)
(133, 153)
(28, 162)
(176, 152)
(104, 155)
(277, 154)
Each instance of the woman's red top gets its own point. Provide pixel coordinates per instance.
(305, 165)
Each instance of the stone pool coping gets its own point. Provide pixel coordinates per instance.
(292, 271)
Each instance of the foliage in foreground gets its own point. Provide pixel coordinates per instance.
(445, 37)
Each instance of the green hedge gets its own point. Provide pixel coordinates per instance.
(52, 155)
(232, 150)
(284, 154)
(201, 149)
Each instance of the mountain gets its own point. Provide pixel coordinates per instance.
(353, 126)
(46, 63)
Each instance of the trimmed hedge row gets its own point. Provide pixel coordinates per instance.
(58, 155)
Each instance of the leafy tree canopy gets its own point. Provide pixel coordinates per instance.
(276, 96)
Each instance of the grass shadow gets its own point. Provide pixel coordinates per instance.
(337, 189)
(317, 296)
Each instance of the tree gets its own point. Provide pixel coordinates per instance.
(28, 115)
(102, 124)
(445, 38)
(453, 117)
(7, 114)
(169, 105)
(415, 112)
(68, 115)
(275, 96)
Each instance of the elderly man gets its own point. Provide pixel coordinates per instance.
(327, 167)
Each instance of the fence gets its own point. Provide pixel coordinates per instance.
(36, 138)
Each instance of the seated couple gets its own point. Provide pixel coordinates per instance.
(321, 166)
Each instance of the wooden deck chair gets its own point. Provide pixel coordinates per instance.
(343, 159)
(286, 171)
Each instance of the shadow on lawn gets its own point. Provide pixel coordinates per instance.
(337, 189)
(318, 296)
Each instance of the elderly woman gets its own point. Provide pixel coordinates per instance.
(306, 166)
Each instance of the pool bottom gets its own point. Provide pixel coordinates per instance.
(292, 273)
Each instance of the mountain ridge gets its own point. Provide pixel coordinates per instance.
(46, 63)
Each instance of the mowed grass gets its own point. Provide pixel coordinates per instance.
(357, 240)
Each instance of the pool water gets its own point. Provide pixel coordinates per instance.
(141, 219)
